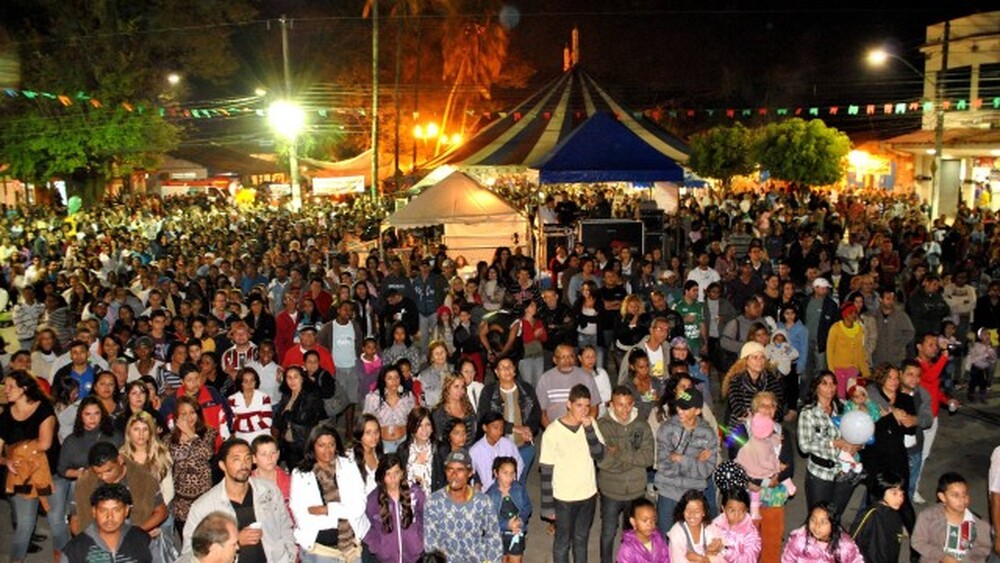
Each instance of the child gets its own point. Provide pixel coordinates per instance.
(980, 361)
(948, 340)
(857, 393)
(410, 383)
(628, 451)
(759, 457)
(878, 530)
(368, 366)
(686, 453)
(821, 540)
(949, 531)
(569, 481)
(491, 446)
(643, 543)
(691, 538)
(264, 449)
(512, 504)
(781, 353)
(740, 538)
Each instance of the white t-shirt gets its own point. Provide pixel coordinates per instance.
(994, 479)
(657, 363)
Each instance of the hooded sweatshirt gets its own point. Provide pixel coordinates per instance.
(781, 354)
(628, 451)
(740, 543)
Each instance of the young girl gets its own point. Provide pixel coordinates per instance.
(878, 530)
(368, 367)
(692, 538)
(858, 400)
(513, 506)
(949, 531)
(643, 543)
(588, 363)
(821, 540)
(759, 457)
(740, 538)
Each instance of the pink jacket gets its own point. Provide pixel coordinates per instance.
(632, 550)
(802, 548)
(741, 543)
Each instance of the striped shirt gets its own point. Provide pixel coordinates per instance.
(554, 387)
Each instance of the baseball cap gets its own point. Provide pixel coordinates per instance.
(460, 455)
(821, 282)
(308, 326)
(690, 399)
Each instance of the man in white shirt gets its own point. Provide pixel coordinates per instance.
(850, 252)
(703, 274)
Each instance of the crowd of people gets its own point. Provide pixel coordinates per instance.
(191, 379)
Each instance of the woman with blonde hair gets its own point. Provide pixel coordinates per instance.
(143, 446)
(455, 404)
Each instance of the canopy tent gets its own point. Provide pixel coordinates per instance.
(360, 165)
(475, 220)
(602, 149)
(521, 138)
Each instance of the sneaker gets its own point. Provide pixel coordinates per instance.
(917, 499)
(651, 491)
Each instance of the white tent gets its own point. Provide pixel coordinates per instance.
(475, 220)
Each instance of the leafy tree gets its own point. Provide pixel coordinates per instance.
(119, 52)
(802, 152)
(722, 152)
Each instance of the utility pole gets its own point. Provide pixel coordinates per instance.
(293, 149)
(374, 189)
(939, 127)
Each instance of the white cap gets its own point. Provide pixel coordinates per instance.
(821, 282)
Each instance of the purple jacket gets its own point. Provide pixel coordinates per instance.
(802, 548)
(385, 546)
(632, 550)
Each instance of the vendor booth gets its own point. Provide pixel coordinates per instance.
(475, 220)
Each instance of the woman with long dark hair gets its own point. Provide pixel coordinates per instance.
(136, 399)
(28, 424)
(367, 449)
(192, 445)
(298, 412)
(390, 403)
(396, 512)
(328, 501)
(819, 439)
(419, 451)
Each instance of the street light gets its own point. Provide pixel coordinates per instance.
(878, 57)
(288, 120)
(173, 79)
(423, 133)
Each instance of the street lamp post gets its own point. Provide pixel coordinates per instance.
(879, 57)
(288, 120)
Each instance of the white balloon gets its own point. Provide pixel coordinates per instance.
(857, 427)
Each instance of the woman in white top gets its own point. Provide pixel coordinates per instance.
(328, 500)
(367, 450)
(45, 354)
(252, 409)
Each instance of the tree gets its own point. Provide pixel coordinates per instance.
(722, 152)
(119, 52)
(802, 152)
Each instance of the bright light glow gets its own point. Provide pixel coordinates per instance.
(443, 139)
(418, 132)
(995, 152)
(173, 79)
(877, 57)
(456, 139)
(859, 159)
(931, 151)
(432, 130)
(286, 118)
(260, 92)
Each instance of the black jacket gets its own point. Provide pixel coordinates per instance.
(878, 531)
(306, 413)
(437, 467)
(134, 547)
(559, 324)
(491, 399)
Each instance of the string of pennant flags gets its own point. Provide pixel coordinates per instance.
(851, 110)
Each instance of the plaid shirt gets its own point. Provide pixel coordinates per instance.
(816, 435)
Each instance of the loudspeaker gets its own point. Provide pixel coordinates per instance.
(600, 233)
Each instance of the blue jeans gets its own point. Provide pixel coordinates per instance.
(614, 516)
(25, 514)
(573, 521)
(916, 463)
(306, 557)
(712, 497)
(527, 452)
(665, 514)
(62, 496)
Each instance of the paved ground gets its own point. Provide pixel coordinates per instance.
(964, 444)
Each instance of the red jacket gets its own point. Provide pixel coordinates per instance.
(284, 336)
(296, 357)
